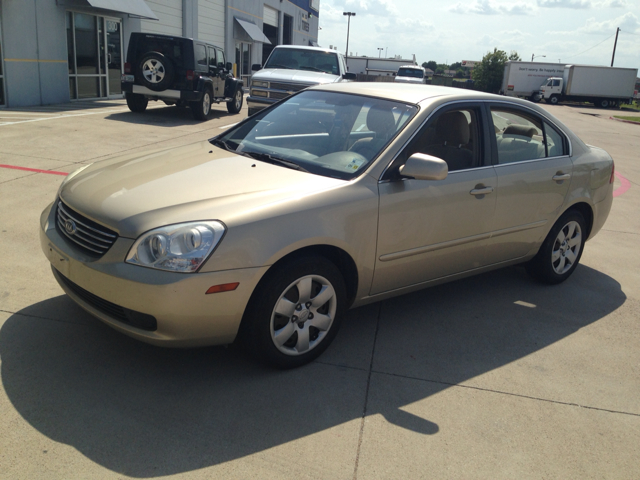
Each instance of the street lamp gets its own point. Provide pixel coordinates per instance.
(536, 56)
(380, 51)
(349, 14)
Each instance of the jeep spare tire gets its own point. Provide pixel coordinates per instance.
(155, 71)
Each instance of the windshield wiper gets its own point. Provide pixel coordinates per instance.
(265, 157)
(222, 144)
(277, 66)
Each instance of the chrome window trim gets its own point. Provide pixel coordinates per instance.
(530, 161)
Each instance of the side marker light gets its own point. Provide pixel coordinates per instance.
(227, 287)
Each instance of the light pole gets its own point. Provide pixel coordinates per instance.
(380, 51)
(349, 14)
(533, 55)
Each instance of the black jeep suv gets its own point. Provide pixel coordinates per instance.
(179, 71)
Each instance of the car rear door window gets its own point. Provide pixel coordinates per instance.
(201, 57)
(519, 136)
(556, 145)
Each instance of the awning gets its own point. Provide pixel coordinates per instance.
(137, 8)
(253, 31)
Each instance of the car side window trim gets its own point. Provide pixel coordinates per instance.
(483, 135)
(531, 111)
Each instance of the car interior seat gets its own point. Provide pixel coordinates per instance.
(382, 123)
(450, 141)
(517, 144)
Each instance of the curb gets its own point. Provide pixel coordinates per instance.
(625, 121)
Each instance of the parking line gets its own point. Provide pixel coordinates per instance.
(624, 185)
(36, 170)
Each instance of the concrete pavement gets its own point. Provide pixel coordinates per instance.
(489, 377)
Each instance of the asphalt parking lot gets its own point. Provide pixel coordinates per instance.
(492, 377)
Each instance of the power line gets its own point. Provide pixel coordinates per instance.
(578, 54)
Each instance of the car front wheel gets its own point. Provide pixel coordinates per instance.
(295, 313)
(201, 109)
(235, 105)
(560, 252)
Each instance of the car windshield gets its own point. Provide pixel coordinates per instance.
(301, 59)
(331, 134)
(410, 72)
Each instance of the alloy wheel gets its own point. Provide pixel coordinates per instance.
(566, 247)
(153, 71)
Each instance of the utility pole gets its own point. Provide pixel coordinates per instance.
(380, 51)
(614, 46)
(349, 14)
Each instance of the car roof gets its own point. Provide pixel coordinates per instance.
(405, 92)
(302, 47)
(411, 66)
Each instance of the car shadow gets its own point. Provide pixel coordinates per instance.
(145, 411)
(173, 116)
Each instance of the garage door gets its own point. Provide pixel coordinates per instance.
(211, 21)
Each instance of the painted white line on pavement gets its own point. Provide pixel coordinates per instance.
(65, 116)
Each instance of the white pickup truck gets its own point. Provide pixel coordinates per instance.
(290, 69)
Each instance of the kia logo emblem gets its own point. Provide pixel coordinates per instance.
(70, 227)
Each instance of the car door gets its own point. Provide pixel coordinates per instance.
(432, 229)
(218, 83)
(534, 169)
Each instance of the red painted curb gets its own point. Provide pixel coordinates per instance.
(36, 170)
(624, 121)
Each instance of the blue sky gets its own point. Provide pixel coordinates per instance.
(570, 31)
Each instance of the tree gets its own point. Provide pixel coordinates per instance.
(439, 70)
(488, 74)
(430, 64)
(514, 56)
(455, 66)
(460, 73)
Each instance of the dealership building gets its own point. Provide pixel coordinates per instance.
(55, 51)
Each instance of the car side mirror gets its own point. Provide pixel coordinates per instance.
(229, 66)
(255, 67)
(424, 167)
(350, 76)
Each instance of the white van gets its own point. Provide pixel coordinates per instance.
(411, 74)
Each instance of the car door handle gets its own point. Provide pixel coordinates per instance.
(481, 191)
(561, 177)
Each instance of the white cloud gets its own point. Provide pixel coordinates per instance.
(627, 23)
(614, 4)
(487, 7)
(576, 4)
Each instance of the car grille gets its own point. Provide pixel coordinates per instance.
(278, 95)
(130, 317)
(90, 236)
(290, 87)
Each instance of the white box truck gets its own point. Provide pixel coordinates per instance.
(603, 86)
(523, 79)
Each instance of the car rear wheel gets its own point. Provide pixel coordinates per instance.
(235, 105)
(202, 108)
(136, 102)
(560, 252)
(295, 313)
(155, 71)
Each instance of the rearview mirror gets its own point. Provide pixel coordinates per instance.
(425, 167)
(255, 67)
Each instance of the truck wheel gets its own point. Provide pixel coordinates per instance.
(201, 109)
(603, 103)
(553, 100)
(136, 102)
(235, 105)
(155, 71)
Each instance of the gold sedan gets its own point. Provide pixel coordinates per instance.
(336, 197)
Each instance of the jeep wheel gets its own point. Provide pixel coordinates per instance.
(201, 109)
(136, 103)
(155, 71)
(235, 105)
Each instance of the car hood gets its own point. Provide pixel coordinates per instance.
(134, 194)
(298, 76)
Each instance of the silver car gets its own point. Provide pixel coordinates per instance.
(336, 197)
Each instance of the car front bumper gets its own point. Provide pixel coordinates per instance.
(185, 316)
(258, 103)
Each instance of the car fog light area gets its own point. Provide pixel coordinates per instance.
(177, 248)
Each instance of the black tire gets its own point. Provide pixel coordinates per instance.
(301, 340)
(155, 71)
(136, 103)
(202, 108)
(235, 105)
(557, 260)
(553, 100)
(603, 103)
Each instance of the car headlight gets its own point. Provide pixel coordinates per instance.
(259, 84)
(177, 248)
(70, 176)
